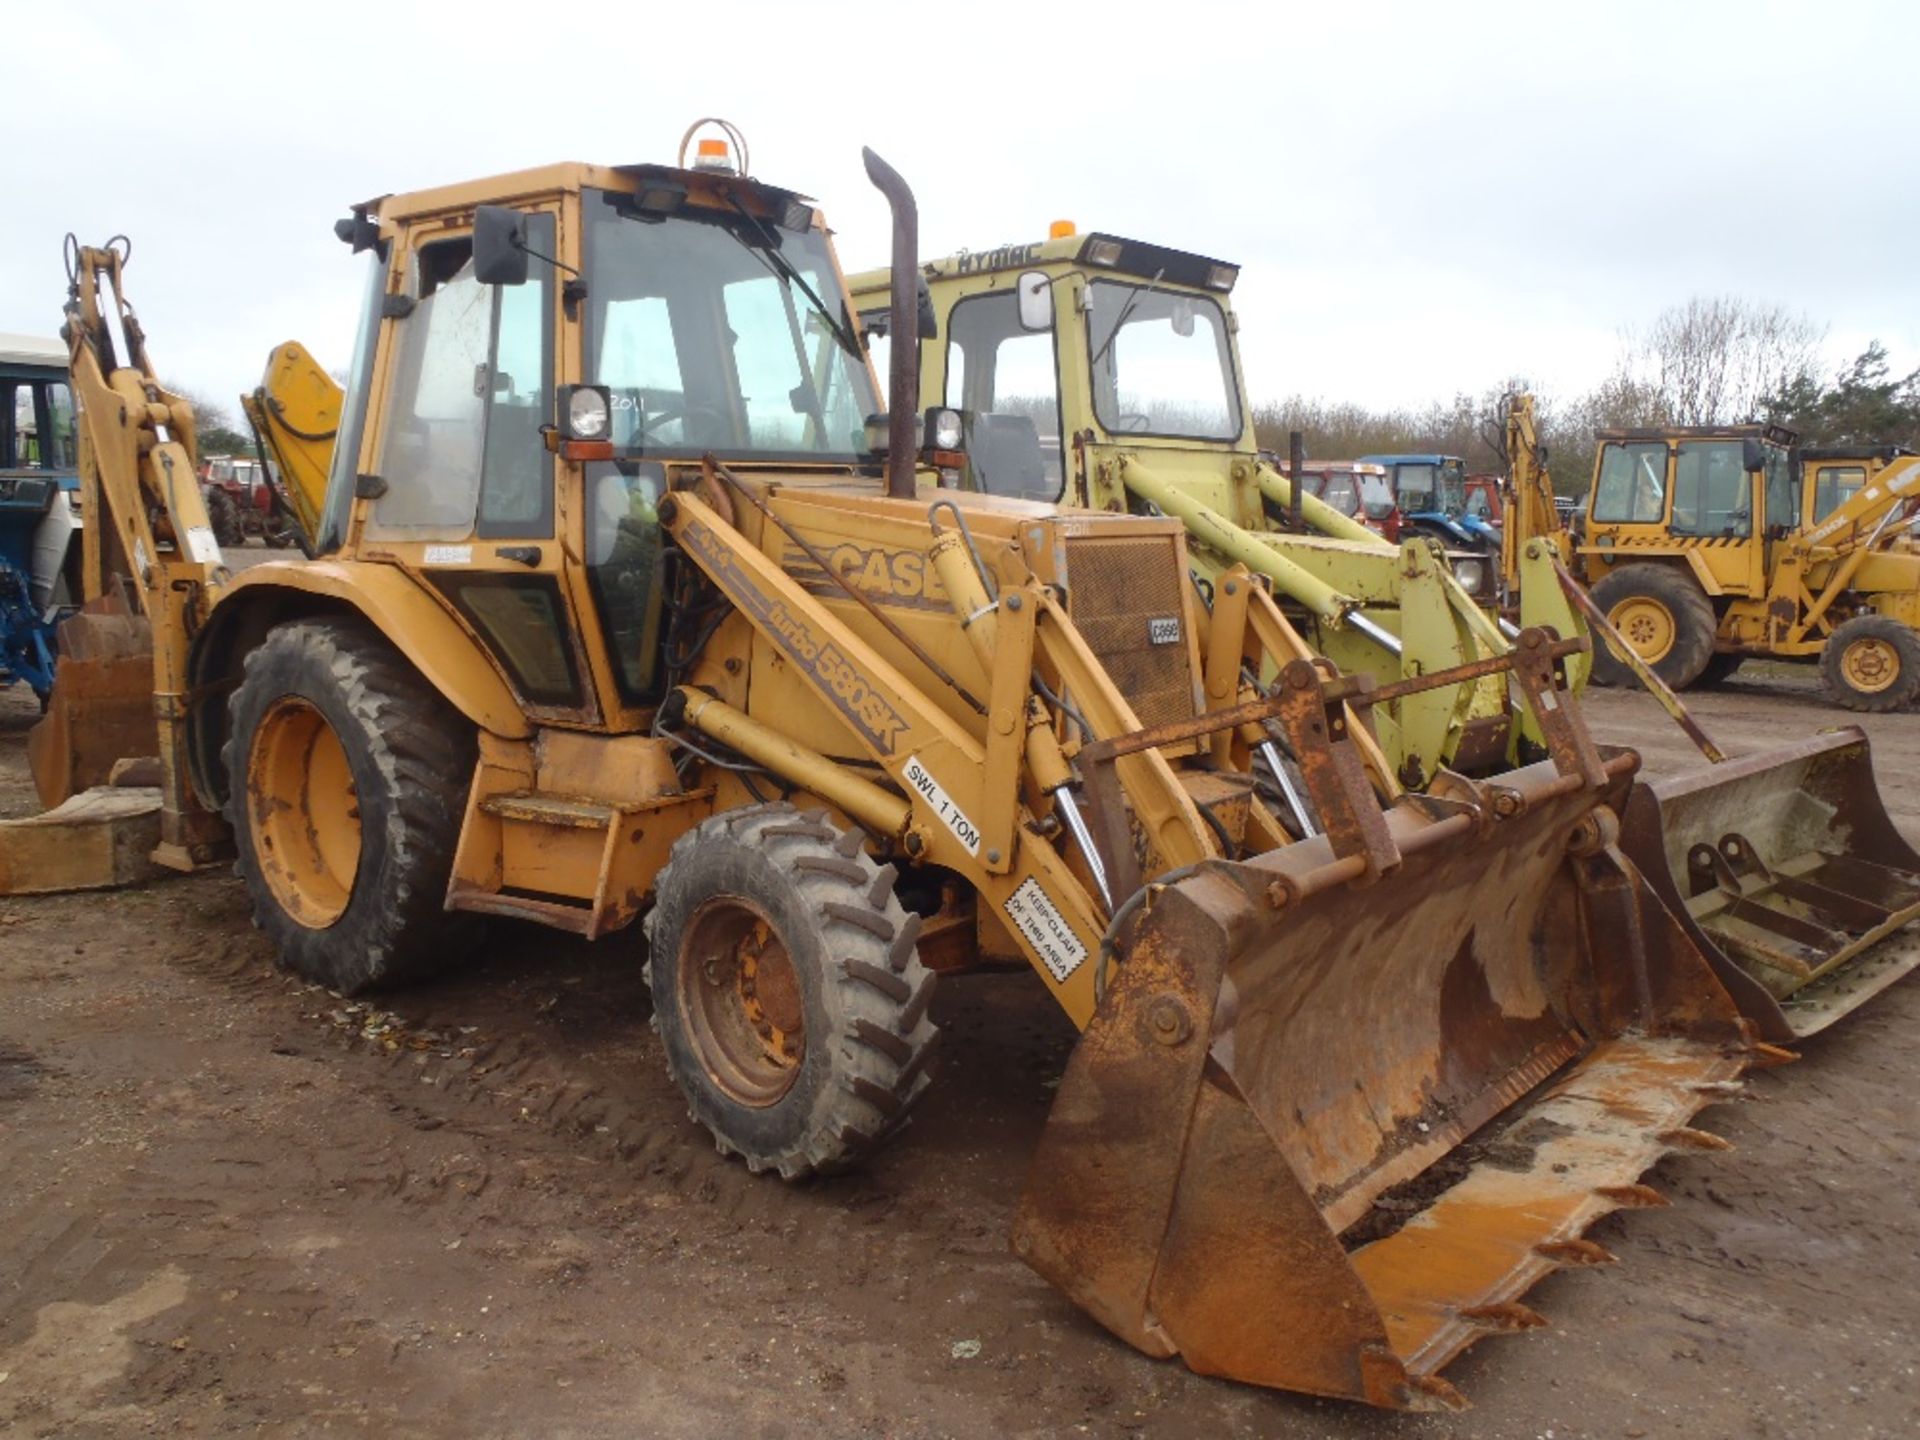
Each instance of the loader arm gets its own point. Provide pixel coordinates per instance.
(941, 768)
(141, 499)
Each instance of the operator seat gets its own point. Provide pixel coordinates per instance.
(1004, 450)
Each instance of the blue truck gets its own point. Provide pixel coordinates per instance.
(39, 507)
(1432, 494)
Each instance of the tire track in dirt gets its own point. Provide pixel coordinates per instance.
(542, 1030)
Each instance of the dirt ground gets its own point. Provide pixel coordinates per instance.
(234, 1204)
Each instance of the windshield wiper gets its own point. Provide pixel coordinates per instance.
(768, 252)
(1125, 310)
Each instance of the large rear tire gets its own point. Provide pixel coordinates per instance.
(788, 991)
(347, 777)
(1871, 664)
(1664, 616)
(224, 517)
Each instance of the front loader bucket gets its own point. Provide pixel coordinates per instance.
(101, 709)
(1324, 1130)
(1786, 870)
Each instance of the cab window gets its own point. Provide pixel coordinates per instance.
(1632, 489)
(1006, 381)
(36, 425)
(472, 379)
(1711, 492)
(1834, 486)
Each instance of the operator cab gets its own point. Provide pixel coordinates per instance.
(697, 311)
(1134, 337)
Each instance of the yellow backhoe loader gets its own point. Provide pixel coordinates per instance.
(626, 602)
(1104, 372)
(1784, 865)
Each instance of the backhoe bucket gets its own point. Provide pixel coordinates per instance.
(101, 709)
(1334, 1116)
(1788, 874)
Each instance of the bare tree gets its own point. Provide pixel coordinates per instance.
(1712, 361)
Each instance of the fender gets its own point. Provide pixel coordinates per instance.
(410, 619)
(1617, 556)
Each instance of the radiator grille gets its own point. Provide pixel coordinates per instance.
(1116, 590)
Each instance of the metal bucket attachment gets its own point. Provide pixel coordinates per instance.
(101, 709)
(1788, 874)
(1344, 1103)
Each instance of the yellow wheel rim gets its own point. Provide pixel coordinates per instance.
(1646, 625)
(305, 812)
(1870, 665)
(739, 996)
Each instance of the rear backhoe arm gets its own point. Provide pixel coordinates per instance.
(140, 494)
(1529, 512)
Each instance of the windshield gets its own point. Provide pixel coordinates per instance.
(1161, 363)
(717, 332)
(1428, 488)
(1376, 496)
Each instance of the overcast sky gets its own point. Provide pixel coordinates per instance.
(1423, 197)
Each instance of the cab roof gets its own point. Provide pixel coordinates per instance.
(1772, 434)
(1093, 252)
(570, 176)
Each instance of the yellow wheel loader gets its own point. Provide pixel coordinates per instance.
(626, 602)
(1104, 372)
(1702, 546)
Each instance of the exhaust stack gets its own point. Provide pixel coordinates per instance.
(903, 322)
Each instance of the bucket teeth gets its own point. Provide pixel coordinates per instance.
(1574, 1252)
(1634, 1197)
(1766, 1056)
(1506, 1315)
(1685, 1137)
(1728, 1088)
(1430, 1392)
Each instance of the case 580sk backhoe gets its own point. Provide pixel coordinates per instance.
(621, 606)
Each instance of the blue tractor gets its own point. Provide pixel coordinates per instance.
(1432, 494)
(39, 507)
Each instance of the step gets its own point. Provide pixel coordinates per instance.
(556, 913)
(532, 807)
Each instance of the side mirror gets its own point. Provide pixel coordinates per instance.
(1753, 455)
(1036, 301)
(1182, 318)
(499, 246)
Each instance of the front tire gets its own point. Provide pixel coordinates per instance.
(1663, 615)
(346, 777)
(788, 991)
(1871, 664)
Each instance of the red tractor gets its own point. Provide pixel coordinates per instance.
(242, 501)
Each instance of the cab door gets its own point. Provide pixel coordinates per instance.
(463, 489)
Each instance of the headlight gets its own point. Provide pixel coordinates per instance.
(943, 430)
(586, 412)
(1472, 575)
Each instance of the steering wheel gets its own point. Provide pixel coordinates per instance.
(1134, 423)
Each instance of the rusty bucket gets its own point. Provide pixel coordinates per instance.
(1336, 1115)
(101, 709)
(1787, 872)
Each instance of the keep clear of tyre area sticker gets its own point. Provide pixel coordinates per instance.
(1042, 925)
(951, 815)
